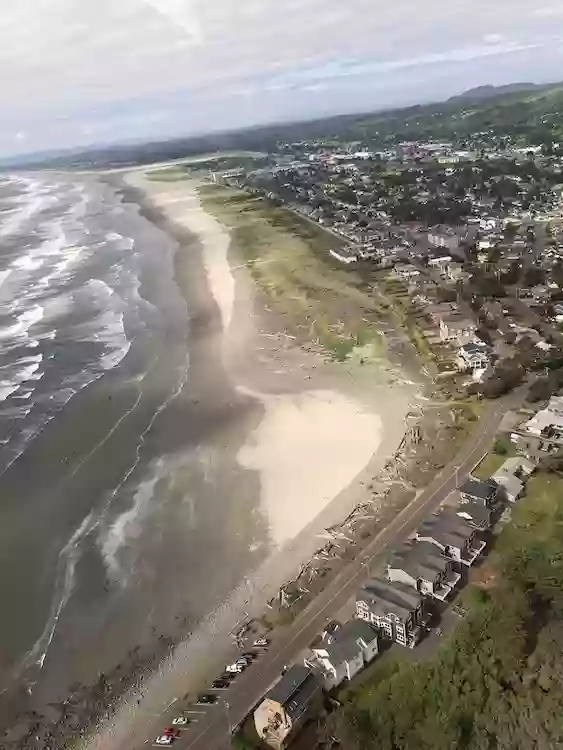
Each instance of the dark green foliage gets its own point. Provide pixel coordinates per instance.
(497, 683)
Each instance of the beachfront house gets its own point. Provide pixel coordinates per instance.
(397, 611)
(454, 536)
(422, 566)
(485, 492)
(511, 477)
(343, 653)
(296, 697)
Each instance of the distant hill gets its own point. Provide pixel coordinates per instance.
(491, 92)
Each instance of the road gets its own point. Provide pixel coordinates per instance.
(212, 729)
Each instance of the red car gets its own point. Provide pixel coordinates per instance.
(171, 732)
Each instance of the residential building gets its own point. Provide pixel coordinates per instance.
(457, 328)
(345, 255)
(476, 514)
(455, 536)
(406, 271)
(396, 610)
(484, 492)
(422, 566)
(473, 356)
(441, 239)
(294, 698)
(344, 653)
(544, 431)
(512, 476)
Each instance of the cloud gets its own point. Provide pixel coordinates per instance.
(68, 66)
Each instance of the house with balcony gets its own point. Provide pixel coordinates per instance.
(454, 536)
(425, 568)
(396, 610)
(473, 356)
(343, 653)
(295, 698)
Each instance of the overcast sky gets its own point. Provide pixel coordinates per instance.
(75, 72)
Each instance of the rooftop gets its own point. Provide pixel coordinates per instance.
(484, 490)
(289, 684)
(420, 560)
(446, 528)
(389, 598)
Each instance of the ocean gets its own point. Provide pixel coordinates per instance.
(114, 478)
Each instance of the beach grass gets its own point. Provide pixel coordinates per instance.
(288, 258)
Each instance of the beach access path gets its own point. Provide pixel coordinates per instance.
(212, 731)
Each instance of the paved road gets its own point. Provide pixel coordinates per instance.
(212, 730)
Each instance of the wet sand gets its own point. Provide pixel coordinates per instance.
(312, 438)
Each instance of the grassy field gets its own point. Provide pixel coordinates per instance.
(288, 258)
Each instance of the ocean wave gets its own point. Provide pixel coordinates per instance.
(26, 320)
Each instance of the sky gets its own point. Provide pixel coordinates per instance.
(80, 72)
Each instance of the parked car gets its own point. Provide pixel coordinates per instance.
(206, 699)
(171, 732)
(180, 721)
(261, 642)
(164, 739)
(220, 684)
(235, 668)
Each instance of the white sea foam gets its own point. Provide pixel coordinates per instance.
(26, 320)
(64, 586)
(129, 523)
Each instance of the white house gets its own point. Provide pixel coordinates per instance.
(343, 653)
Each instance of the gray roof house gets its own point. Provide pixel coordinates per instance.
(476, 514)
(455, 536)
(395, 609)
(344, 653)
(287, 705)
(485, 492)
(423, 566)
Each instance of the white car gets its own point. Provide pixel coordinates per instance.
(165, 739)
(235, 668)
(180, 721)
(260, 642)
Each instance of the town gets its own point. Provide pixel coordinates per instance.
(462, 241)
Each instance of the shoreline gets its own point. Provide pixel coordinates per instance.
(293, 393)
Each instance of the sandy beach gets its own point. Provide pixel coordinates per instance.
(318, 435)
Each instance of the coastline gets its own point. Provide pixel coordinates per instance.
(315, 437)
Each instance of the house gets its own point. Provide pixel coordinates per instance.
(394, 609)
(512, 476)
(455, 536)
(287, 706)
(484, 492)
(344, 653)
(406, 271)
(345, 255)
(544, 431)
(456, 327)
(473, 356)
(422, 566)
(441, 239)
(478, 516)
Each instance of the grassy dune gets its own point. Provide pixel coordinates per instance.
(288, 258)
